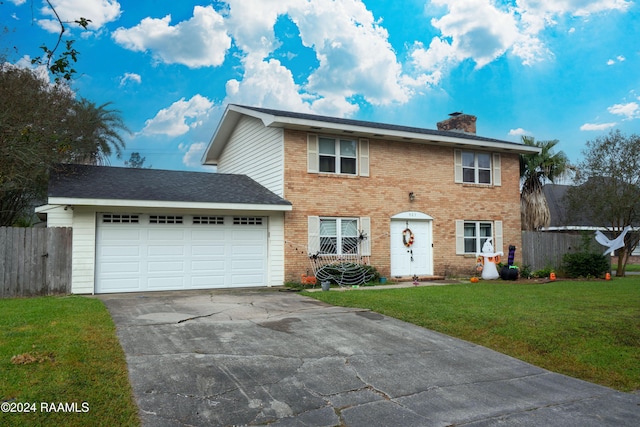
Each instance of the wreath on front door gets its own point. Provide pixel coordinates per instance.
(407, 237)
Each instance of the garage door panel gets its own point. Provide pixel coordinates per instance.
(120, 268)
(191, 254)
(164, 233)
(208, 250)
(115, 233)
(120, 285)
(165, 283)
(165, 250)
(207, 266)
(120, 251)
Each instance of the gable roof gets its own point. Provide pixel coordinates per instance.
(559, 217)
(354, 128)
(118, 186)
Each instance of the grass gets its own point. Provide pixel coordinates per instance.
(629, 267)
(63, 350)
(585, 329)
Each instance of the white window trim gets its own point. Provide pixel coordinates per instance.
(495, 168)
(337, 154)
(313, 232)
(496, 234)
(313, 155)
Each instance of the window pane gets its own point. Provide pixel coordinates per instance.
(469, 229)
(470, 245)
(347, 165)
(468, 175)
(350, 245)
(468, 159)
(328, 245)
(484, 160)
(327, 146)
(348, 148)
(327, 164)
(485, 229)
(484, 176)
(328, 227)
(349, 228)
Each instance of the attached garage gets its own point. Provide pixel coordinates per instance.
(149, 252)
(137, 230)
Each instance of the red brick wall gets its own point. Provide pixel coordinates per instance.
(396, 168)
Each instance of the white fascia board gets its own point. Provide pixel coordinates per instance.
(366, 131)
(71, 201)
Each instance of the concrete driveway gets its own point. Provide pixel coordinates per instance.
(258, 357)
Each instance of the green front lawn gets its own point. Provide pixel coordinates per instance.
(60, 359)
(585, 329)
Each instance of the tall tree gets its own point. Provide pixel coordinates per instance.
(42, 125)
(536, 170)
(608, 190)
(136, 161)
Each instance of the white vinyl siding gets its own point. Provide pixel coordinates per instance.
(477, 167)
(256, 151)
(275, 274)
(83, 251)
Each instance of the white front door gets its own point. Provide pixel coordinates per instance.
(415, 258)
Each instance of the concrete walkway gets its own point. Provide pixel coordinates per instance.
(263, 357)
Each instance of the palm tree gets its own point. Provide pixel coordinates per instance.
(535, 171)
(97, 136)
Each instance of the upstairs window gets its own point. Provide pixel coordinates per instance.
(337, 155)
(476, 167)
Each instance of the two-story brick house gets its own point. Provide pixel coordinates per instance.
(291, 188)
(411, 201)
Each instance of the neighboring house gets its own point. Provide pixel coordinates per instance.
(559, 222)
(146, 229)
(356, 186)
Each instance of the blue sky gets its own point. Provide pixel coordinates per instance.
(551, 69)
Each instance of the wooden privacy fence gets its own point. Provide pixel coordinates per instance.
(35, 261)
(542, 249)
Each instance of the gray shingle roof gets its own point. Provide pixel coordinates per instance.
(375, 125)
(117, 183)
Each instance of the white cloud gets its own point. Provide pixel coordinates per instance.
(353, 50)
(202, 41)
(344, 36)
(99, 12)
(266, 84)
(629, 110)
(593, 126)
(130, 77)
(519, 132)
(179, 118)
(482, 31)
(18, 2)
(193, 154)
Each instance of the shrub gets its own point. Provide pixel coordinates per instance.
(584, 264)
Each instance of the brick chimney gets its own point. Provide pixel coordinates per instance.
(459, 122)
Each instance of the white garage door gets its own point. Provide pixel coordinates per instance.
(140, 252)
